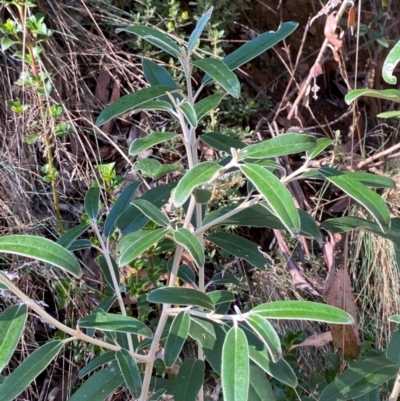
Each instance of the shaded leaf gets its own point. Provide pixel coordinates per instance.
(152, 212)
(67, 239)
(92, 202)
(130, 372)
(185, 273)
(204, 106)
(189, 113)
(95, 363)
(393, 349)
(260, 388)
(227, 278)
(155, 74)
(221, 142)
(154, 169)
(198, 30)
(189, 380)
(180, 296)
(176, 338)
(12, 324)
(185, 238)
(322, 144)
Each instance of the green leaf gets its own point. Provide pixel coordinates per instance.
(222, 300)
(309, 227)
(122, 204)
(139, 145)
(278, 197)
(225, 277)
(372, 180)
(152, 212)
(163, 41)
(67, 239)
(221, 74)
(393, 349)
(211, 337)
(188, 111)
(359, 379)
(12, 324)
(281, 145)
(221, 142)
(185, 238)
(390, 63)
(105, 269)
(260, 388)
(95, 363)
(28, 370)
(176, 338)
(373, 395)
(366, 197)
(198, 30)
(392, 95)
(322, 144)
(154, 169)
(130, 372)
(155, 105)
(267, 334)
(235, 366)
(180, 296)
(185, 273)
(92, 202)
(302, 310)
(80, 244)
(131, 101)
(202, 196)
(189, 380)
(100, 385)
(157, 395)
(206, 105)
(259, 354)
(41, 249)
(199, 174)
(239, 247)
(155, 74)
(394, 319)
(112, 322)
(389, 114)
(140, 244)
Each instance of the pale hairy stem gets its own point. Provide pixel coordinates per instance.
(396, 389)
(106, 254)
(74, 333)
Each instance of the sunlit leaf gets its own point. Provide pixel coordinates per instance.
(152, 212)
(140, 145)
(392, 95)
(185, 238)
(196, 33)
(189, 113)
(204, 106)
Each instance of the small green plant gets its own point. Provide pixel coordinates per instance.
(25, 32)
(236, 347)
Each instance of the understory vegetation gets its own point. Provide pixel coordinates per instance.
(199, 200)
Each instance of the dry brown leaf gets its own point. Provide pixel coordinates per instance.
(331, 33)
(341, 295)
(316, 340)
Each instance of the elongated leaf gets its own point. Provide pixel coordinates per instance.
(67, 239)
(185, 238)
(92, 202)
(266, 334)
(198, 30)
(155, 74)
(180, 296)
(80, 244)
(227, 278)
(41, 249)
(372, 180)
(366, 197)
(122, 203)
(373, 395)
(152, 212)
(278, 197)
(259, 354)
(189, 380)
(221, 74)
(141, 244)
(139, 145)
(359, 379)
(28, 370)
(164, 42)
(156, 105)
(389, 114)
(211, 336)
(393, 349)
(260, 388)
(199, 174)
(154, 169)
(185, 273)
(156, 396)
(204, 106)
(390, 63)
(12, 324)
(130, 372)
(129, 102)
(222, 300)
(239, 247)
(105, 269)
(95, 363)
(112, 322)
(322, 144)
(235, 366)
(100, 385)
(221, 142)
(176, 338)
(302, 310)
(189, 113)
(281, 145)
(392, 95)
